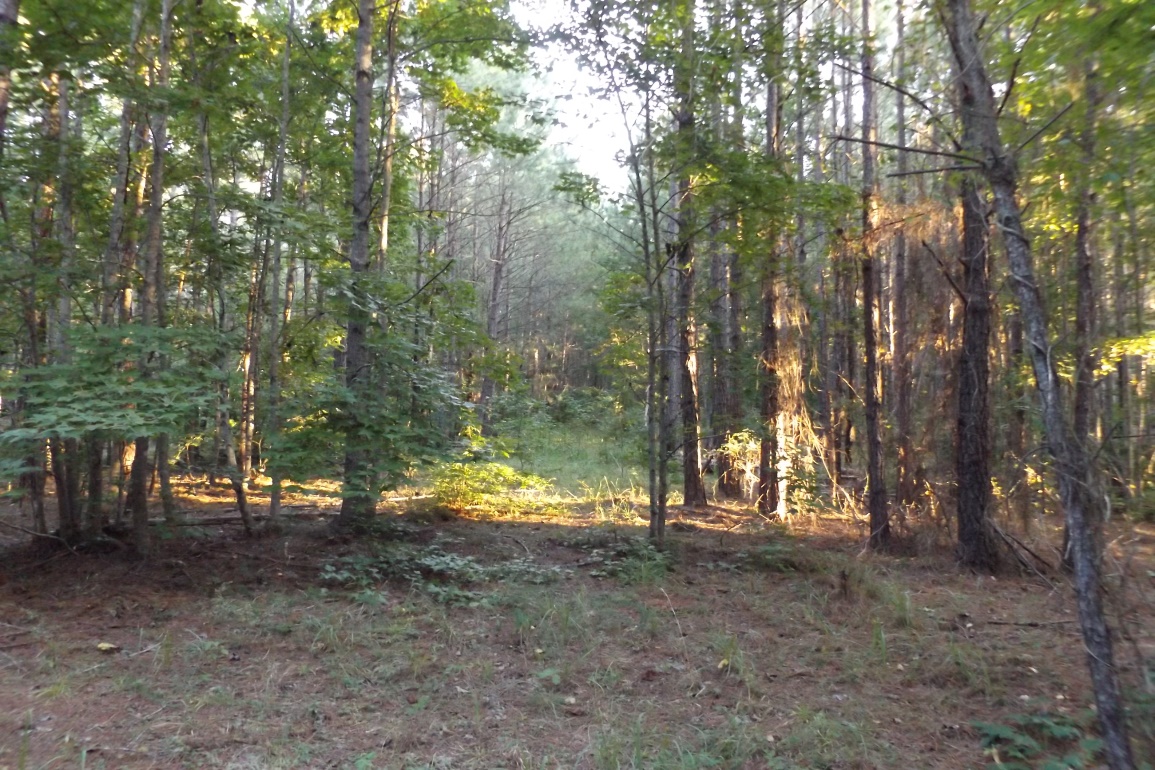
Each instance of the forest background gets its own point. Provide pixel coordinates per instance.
(882, 264)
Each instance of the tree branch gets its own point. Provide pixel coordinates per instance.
(888, 145)
(1043, 130)
(921, 103)
(946, 273)
(935, 170)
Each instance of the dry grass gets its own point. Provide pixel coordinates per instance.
(553, 641)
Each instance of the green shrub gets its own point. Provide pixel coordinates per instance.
(460, 485)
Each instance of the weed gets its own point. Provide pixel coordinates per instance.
(1049, 741)
(631, 559)
(461, 485)
(878, 640)
(443, 575)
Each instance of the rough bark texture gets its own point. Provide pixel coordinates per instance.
(152, 293)
(977, 547)
(876, 485)
(1076, 480)
(359, 493)
(768, 501)
(683, 257)
(9, 15)
(902, 374)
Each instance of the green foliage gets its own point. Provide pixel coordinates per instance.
(1044, 740)
(627, 558)
(461, 485)
(586, 406)
(122, 383)
(446, 576)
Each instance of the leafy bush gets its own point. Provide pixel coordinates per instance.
(463, 484)
(1044, 740)
(444, 575)
(588, 406)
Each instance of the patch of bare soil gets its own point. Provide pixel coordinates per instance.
(538, 642)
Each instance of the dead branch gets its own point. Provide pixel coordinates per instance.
(900, 148)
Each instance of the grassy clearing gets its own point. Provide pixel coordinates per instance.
(556, 639)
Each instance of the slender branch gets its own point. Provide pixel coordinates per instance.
(1015, 67)
(937, 170)
(946, 273)
(34, 533)
(934, 116)
(888, 145)
(424, 286)
(1043, 130)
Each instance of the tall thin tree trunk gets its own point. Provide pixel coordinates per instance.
(1076, 476)
(977, 546)
(359, 478)
(902, 373)
(876, 485)
(9, 18)
(683, 257)
(769, 384)
(275, 307)
(151, 300)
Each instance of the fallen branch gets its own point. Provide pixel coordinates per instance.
(1031, 623)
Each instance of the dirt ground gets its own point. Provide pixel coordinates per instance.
(547, 641)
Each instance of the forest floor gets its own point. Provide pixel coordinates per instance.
(553, 638)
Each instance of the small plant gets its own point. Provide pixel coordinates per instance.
(1043, 740)
(444, 575)
(633, 560)
(460, 485)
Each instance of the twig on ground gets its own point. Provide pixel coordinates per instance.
(1031, 623)
(523, 545)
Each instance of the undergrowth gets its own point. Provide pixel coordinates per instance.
(446, 576)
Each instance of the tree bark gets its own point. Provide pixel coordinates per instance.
(876, 486)
(151, 299)
(9, 19)
(682, 256)
(359, 479)
(276, 310)
(1076, 478)
(977, 547)
(902, 374)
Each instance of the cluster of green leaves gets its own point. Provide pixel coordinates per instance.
(624, 557)
(446, 576)
(1044, 740)
(464, 484)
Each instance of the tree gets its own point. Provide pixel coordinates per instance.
(875, 483)
(1076, 479)
(359, 494)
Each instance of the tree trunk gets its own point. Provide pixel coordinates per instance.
(9, 18)
(275, 307)
(682, 257)
(977, 547)
(876, 486)
(151, 300)
(360, 480)
(1076, 478)
(768, 501)
(902, 374)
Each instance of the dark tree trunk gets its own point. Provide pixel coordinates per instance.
(152, 293)
(359, 480)
(693, 487)
(1076, 476)
(902, 374)
(768, 502)
(977, 547)
(9, 18)
(682, 256)
(876, 486)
